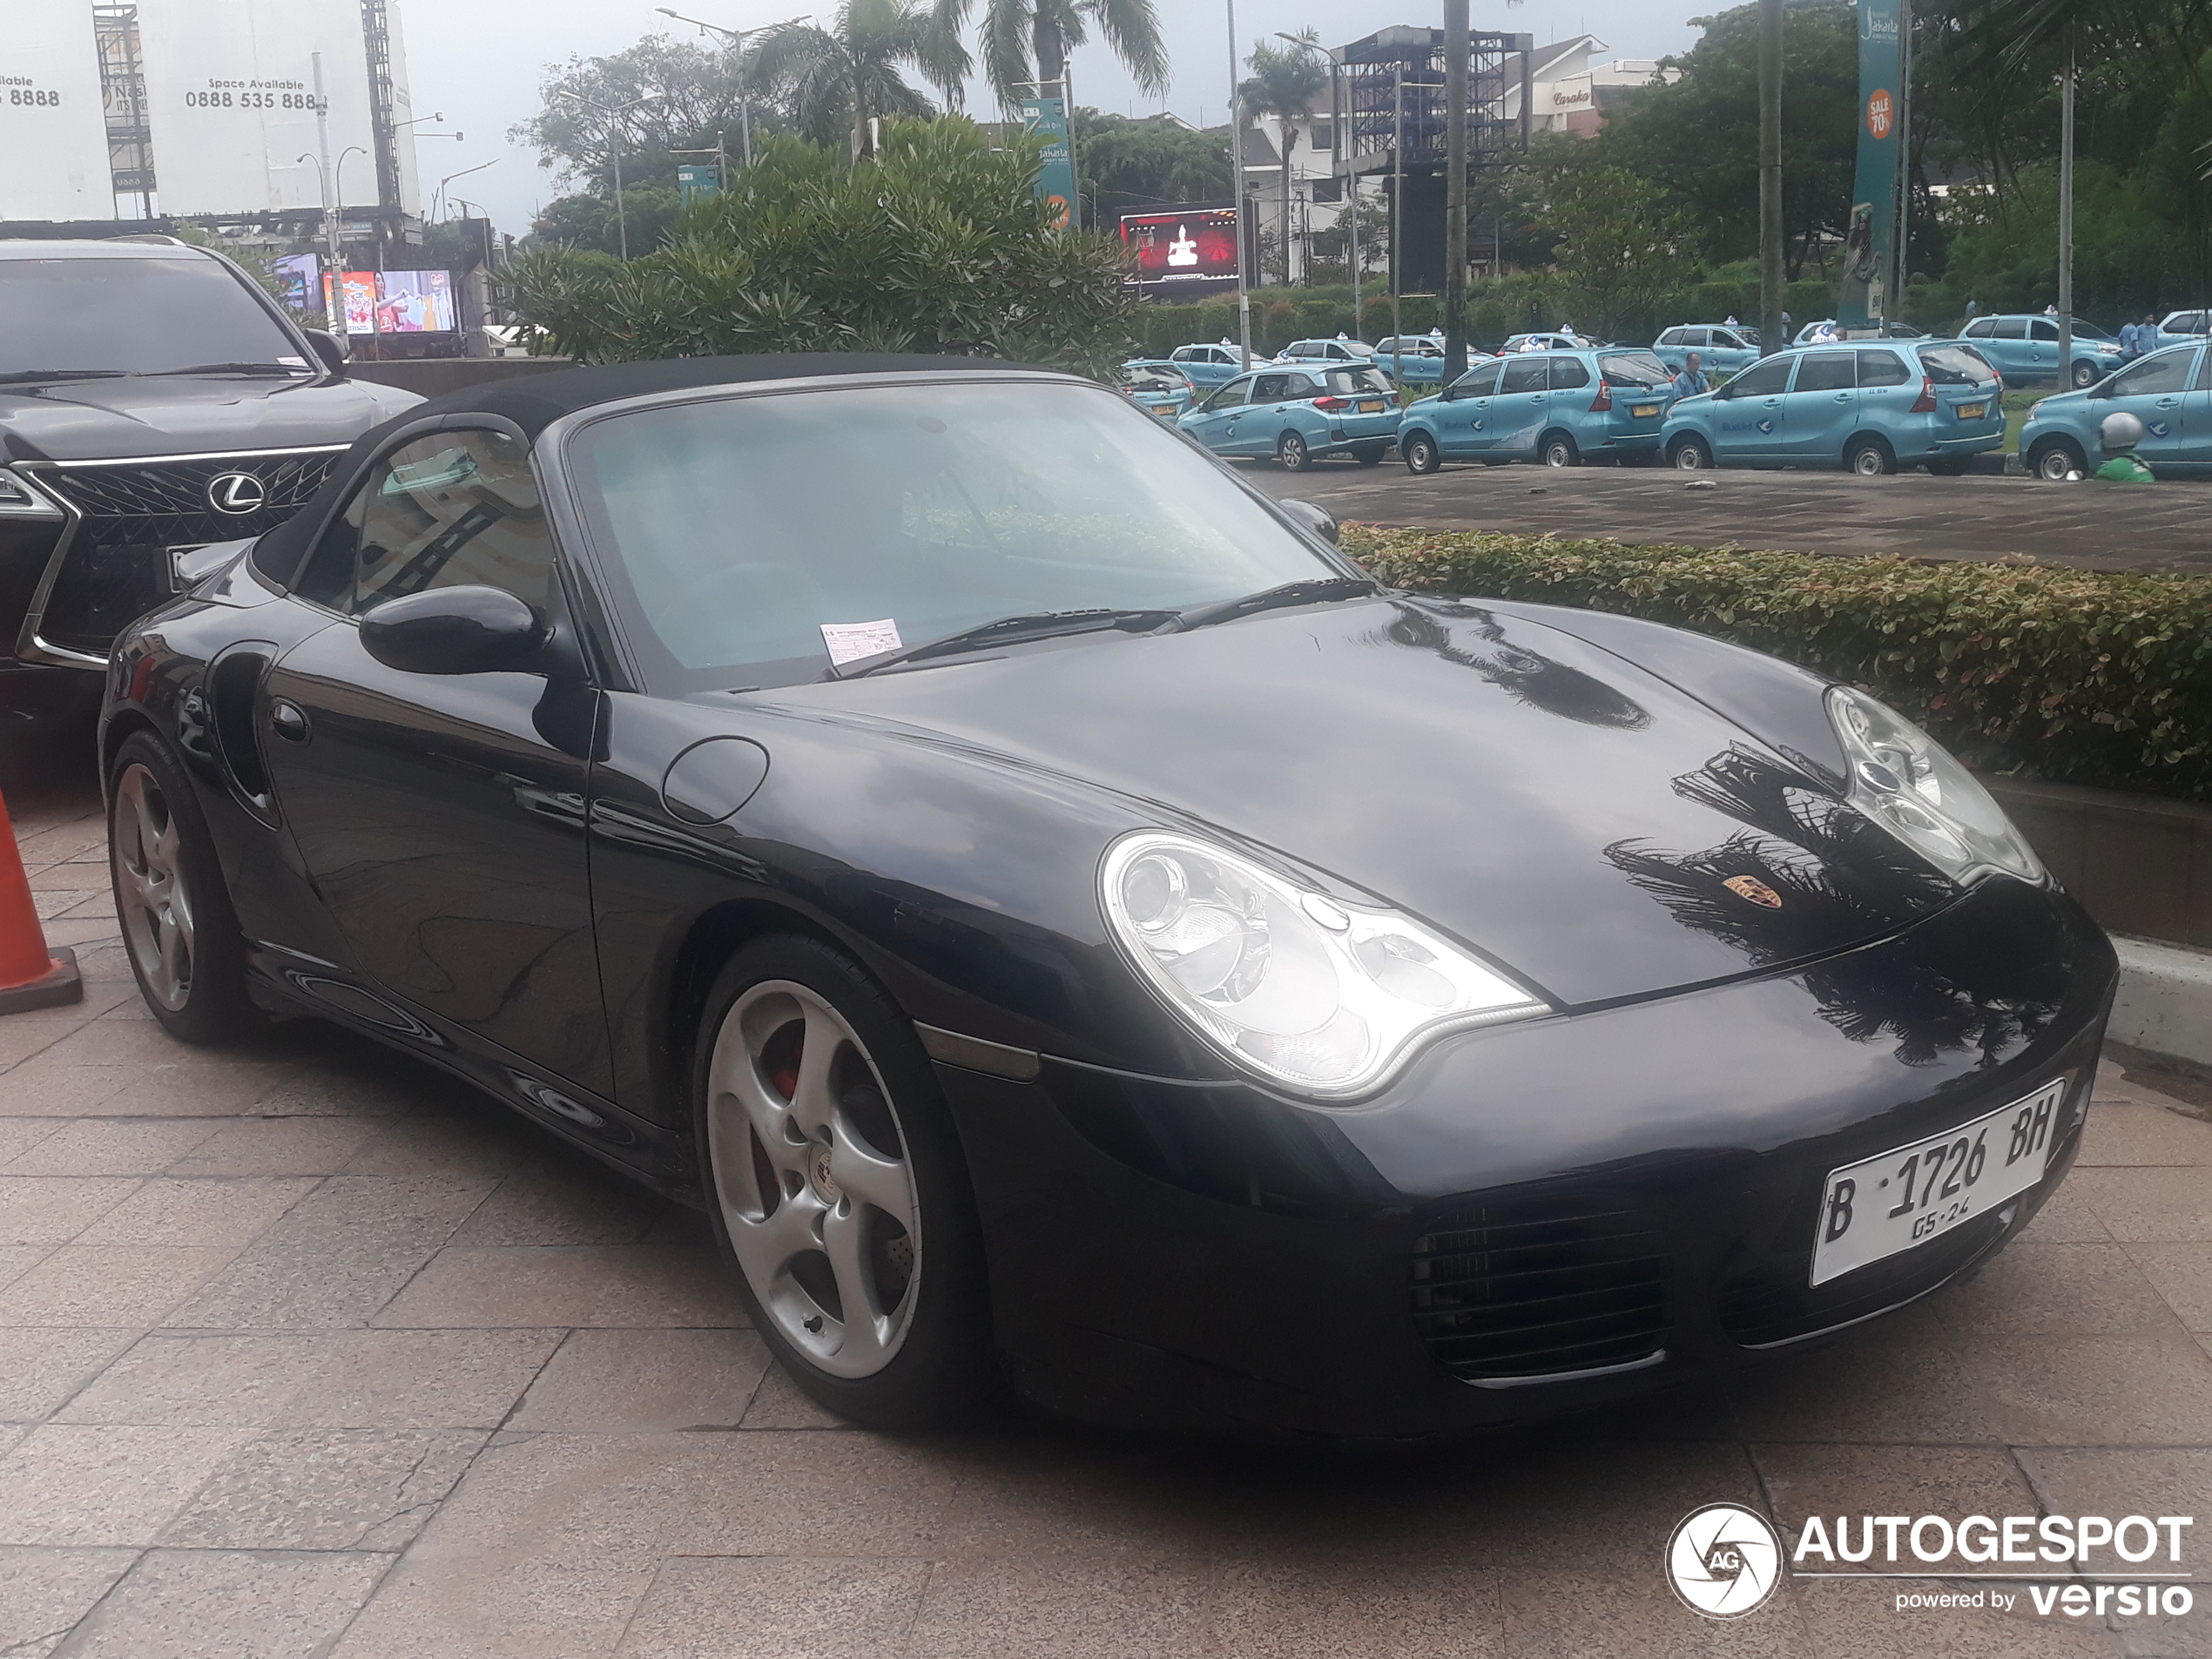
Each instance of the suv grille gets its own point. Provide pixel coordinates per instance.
(1531, 1288)
(164, 504)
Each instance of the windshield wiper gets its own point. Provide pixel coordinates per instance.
(1314, 591)
(1006, 631)
(16, 376)
(227, 368)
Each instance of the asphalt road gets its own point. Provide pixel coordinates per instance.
(2106, 527)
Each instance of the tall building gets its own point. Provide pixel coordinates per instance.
(130, 110)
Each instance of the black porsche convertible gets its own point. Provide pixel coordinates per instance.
(1069, 926)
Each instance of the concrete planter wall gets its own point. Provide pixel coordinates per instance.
(2143, 865)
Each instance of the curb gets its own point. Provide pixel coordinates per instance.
(2164, 1005)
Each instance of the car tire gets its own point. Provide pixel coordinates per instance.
(2055, 459)
(1870, 458)
(1690, 455)
(1372, 454)
(1422, 456)
(1292, 452)
(1557, 449)
(179, 933)
(1953, 467)
(780, 1133)
(2085, 374)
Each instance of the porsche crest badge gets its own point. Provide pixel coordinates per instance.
(1749, 886)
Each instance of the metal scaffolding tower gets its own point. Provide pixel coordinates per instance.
(123, 93)
(384, 133)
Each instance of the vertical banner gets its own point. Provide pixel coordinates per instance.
(1867, 261)
(1048, 117)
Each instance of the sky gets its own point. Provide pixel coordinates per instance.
(468, 59)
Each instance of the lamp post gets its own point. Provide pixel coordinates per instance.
(736, 37)
(1236, 193)
(440, 194)
(334, 305)
(621, 221)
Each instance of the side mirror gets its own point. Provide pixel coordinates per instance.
(328, 347)
(1314, 517)
(453, 630)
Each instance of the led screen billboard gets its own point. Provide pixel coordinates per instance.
(230, 94)
(53, 134)
(398, 302)
(1184, 248)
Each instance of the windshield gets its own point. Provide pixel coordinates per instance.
(131, 316)
(2088, 331)
(750, 532)
(1954, 365)
(1634, 368)
(1151, 378)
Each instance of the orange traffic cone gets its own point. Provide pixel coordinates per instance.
(31, 976)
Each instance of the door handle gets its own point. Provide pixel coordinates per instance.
(1842, 397)
(288, 719)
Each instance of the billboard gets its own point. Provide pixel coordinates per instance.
(53, 132)
(230, 94)
(397, 302)
(1184, 249)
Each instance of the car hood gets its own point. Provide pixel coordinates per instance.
(187, 415)
(1548, 801)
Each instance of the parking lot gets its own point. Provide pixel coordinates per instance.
(2104, 527)
(309, 1351)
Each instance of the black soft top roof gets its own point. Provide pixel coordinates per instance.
(535, 401)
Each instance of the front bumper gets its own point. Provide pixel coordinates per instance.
(1631, 1191)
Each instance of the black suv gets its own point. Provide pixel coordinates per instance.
(153, 400)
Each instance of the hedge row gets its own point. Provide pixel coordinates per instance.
(2090, 676)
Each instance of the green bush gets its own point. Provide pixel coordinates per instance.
(2088, 675)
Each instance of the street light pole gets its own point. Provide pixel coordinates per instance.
(1771, 330)
(2066, 218)
(737, 38)
(334, 296)
(621, 221)
(1455, 189)
(1237, 188)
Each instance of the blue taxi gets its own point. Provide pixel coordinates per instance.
(2169, 391)
(1869, 406)
(1298, 413)
(1411, 360)
(1161, 388)
(1208, 365)
(2025, 348)
(2181, 328)
(1721, 348)
(1559, 408)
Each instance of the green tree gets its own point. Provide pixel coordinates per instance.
(935, 244)
(1619, 249)
(835, 80)
(670, 94)
(1698, 139)
(587, 219)
(1285, 83)
(1026, 42)
(1126, 166)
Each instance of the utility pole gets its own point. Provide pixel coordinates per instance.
(1771, 330)
(335, 295)
(1455, 189)
(1398, 226)
(2065, 219)
(1893, 285)
(1236, 191)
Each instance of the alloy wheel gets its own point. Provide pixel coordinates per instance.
(811, 1171)
(1293, 452)
(153, 900)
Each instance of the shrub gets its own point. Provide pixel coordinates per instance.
(935, 245)
(2089, 676)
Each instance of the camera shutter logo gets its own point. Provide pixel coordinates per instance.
(236, 493)
(1724, 1560)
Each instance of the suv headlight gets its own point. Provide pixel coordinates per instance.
(1326, 999)
(19, 500)
(1908, 783)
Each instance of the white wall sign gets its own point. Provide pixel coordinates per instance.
(53, 133)
(230, 85)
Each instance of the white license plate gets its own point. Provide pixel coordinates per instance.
(1643, 411)
(1906, 1197)
(1972, 411)
(1372, 406)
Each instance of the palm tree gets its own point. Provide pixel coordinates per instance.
(1026, 42)
(835, 79)
(1286, 83)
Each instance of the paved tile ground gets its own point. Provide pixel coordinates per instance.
(2165, 528)
(305, 1350)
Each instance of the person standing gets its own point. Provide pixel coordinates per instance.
(1691, 383)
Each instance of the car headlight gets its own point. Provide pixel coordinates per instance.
(1325, 998)
(1908, 783)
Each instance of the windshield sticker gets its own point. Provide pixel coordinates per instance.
(850, 641)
